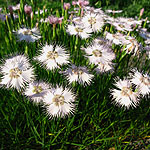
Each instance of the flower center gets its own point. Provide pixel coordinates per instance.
(77, 71)
(92, 20)
(145, 80)
(132, 46)
(121, 26)
(125, 91)
(115, 36)
(78, 29)
(37, 89)
(130, 20)
(102, 42)
(52, 55)
(58, 100)
(97, 53)
(27, 32)
(15, 73)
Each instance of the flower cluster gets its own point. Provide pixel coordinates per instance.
(95, 44)
(128, 91)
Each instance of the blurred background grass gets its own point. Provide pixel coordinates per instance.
(131, 7)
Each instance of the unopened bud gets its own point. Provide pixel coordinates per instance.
(10, 9)
(32, 15)
(44, 7)
(37, 24)
(142, 11)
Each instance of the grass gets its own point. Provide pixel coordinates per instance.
(97, 123)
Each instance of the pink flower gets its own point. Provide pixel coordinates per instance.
(53, 20)
(17, 7)
(27, 9)
(82, 12)
(85, 3)
(66, 6)
(74, 3)
(60, 20)
(81, 2)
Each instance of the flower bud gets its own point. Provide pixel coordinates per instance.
(60, 20)
(53, 20)
(32, 15)
(10, 8)
(66, 6)
(142, 11)
(74, 3)
(85, 3)
(27, 9)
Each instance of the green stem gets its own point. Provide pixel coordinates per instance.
(54, 31)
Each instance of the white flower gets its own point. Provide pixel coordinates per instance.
(53, 57)
(29, 35)
(117, 38)
(147, 48)
(78, 74)
(77, 20)
(144, 34)
(89, 10)
(104, 67)
(41, 11)
(17, 7)
(142, 81)
(59, 102)
(147, 41)
(114, 11)
(44, 20)
(121, 26)
(16, 72)
(102, 41)
(129, 21)
(99, 53)
(36, 91)
(124, 95)
(79, 30)
(94, 21)
(132, 45)
(109, 19)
